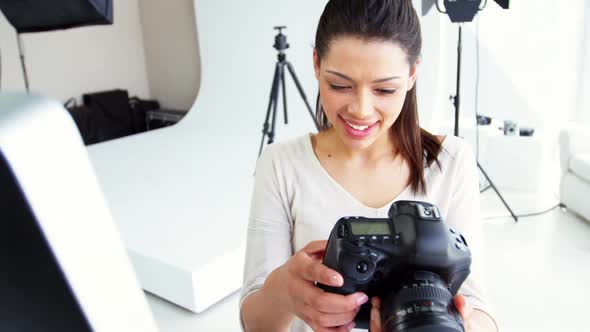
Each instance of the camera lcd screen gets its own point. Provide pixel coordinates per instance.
(370, 228)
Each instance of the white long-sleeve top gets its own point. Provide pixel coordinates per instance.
(296, 201)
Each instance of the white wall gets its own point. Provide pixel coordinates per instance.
(530, 60)
(171, 51)
(530, 72)
(433, 79)
(584, 99)
(67, 63)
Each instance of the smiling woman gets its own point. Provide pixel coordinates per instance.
(384, 73)
(369, 153)
(367, 104)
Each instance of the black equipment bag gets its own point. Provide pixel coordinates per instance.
(85, 119)
(113, 117)
(110, 114)
(139, 109)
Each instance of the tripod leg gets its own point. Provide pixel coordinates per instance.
(284, 95)
(271, 134)
(497, 192)
(302, 93)
(271, 101)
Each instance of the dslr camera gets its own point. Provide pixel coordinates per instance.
(411, 260)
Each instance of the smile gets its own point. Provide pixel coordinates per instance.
(356, 131)
(356, 127)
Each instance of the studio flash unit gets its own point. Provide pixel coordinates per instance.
(460, 11)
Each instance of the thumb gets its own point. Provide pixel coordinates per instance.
(375, 324)
(462, 306)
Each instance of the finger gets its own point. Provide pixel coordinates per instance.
(328, 302)
(315, 247)
(463, 306)
(315, 317)
(312, 270)
(375, 314)
(376, 302)
(334, 303)
(308, 293)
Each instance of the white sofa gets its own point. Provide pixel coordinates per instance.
(574, 143)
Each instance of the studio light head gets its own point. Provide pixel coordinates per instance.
(503, 3)
(460, 11)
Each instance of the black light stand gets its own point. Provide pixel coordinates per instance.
(456, 98)
(279, 79)
(21, 55)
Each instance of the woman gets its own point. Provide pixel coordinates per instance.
(369, 153)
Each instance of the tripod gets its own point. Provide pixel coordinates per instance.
(279, 79)
(456, 100)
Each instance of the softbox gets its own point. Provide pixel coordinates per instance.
(43, 15)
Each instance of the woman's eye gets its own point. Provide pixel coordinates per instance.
(386, 91)
(338, 87)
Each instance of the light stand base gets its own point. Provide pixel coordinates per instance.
(497, 192)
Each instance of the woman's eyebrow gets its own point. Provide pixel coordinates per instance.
(350, 79)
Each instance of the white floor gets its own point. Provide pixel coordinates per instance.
(538, 268)
(538, 273)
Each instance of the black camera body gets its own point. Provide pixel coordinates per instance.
(411, 260)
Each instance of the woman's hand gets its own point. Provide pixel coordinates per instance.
(466, 312)
(474, 320)
(460, 301)
(292, 286)
(375, 324)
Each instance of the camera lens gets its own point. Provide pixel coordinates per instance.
(423, 304)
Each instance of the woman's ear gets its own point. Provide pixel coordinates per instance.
(413, 75)
(316, 64)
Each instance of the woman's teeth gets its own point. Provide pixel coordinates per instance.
(361, 128)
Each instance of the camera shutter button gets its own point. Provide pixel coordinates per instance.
(362, 267)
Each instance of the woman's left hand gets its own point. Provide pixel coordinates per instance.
(465, 310)
(461, 303)
(375, 325)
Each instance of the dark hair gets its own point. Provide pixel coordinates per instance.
(384, 20)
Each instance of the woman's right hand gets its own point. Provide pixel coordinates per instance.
(292, 286)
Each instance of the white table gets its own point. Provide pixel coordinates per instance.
(519, 163)
(222, 316)
(515, 162)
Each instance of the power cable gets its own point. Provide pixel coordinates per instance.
(533, 214)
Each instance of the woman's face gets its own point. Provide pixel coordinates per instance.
(363, 85)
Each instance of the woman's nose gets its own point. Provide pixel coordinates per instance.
(362, 106)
